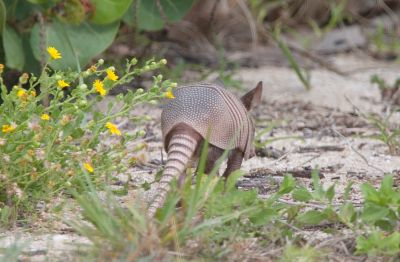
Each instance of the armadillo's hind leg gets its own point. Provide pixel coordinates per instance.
(181, 148)
(234, 162)
(213, 154)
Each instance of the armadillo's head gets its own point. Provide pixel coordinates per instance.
(251, 100)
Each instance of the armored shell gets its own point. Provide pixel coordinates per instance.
(214, 112)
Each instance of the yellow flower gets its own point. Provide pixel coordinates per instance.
(62, 84)
(111, 75)
(21, 93)
(169, 94)
(8, 128)
(88, 167)
(32, 93)
(93, 68)
(113, 128)
(1, 68)
(54, 54)
(45, 117)
(98, 85)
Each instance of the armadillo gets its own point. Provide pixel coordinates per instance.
(205, 111)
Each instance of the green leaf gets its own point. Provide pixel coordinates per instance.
(346, 194)
(330, 193)
(129, 17)
(3, 15)
(347, 212)
(370, 193)
(373, 212)
(263, 216)
(149, 17)
(387, 186)
(287, 185)
(319, 192)
(378, 243)
(77, 133)
(302, 194)
(232, 179)
(330, 214)
(312, 217)
(75, 43)
(108, 11)
(13, 49)
(31, 64)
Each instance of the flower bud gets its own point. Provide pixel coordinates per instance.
(86, 73)
(141, 133)
(82, 103)
(101, 61)
(163, 61)
(82, 87)
(134, 61)
(23, 79)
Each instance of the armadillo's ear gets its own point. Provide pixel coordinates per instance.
(253, 98)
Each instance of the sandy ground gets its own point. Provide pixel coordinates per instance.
(324, 129)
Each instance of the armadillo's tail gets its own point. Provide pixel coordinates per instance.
(180, 149)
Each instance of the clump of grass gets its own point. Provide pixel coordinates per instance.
(213, 215)
(386, 41)
(389, 133)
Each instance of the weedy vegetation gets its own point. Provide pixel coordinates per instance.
(213, 216)
(389, 132)
(45, 148)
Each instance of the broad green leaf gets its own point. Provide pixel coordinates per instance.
(149, 17)
(75, 43)
(3, 13)
(373, 212)
(264, 216)
(302, 194)
(312, 217)
(31, 64)
(330, 214)
(109, 11)
(13, 49)
(130, 15)
(20, 10)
